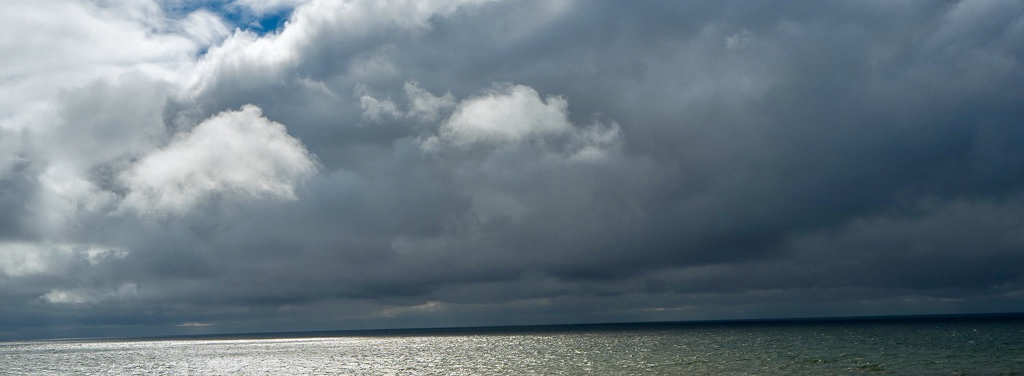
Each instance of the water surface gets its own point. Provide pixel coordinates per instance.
(913, 347)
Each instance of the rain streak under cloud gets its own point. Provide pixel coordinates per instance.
(234, 166)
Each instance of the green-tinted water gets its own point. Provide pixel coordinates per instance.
(932, 347)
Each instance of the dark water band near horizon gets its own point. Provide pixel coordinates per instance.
(932, 345)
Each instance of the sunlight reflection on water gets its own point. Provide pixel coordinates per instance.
(736, 350)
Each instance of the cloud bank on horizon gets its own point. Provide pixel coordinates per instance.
(183, 166)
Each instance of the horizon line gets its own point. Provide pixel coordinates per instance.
(554, 328)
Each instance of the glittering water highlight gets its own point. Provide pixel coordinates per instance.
(925, 347)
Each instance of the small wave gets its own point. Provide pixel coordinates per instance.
(870, 367)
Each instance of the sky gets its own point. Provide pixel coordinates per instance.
(188, 167)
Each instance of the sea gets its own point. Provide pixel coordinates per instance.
(933, 345)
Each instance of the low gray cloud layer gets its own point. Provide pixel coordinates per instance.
(175, 167)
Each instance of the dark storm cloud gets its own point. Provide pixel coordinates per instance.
(376, 165)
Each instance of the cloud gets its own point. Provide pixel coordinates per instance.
(376, 109)
(246, 55)
(24, 259)
(963, 244)
(73, 111)
(508, 114)
(84, 296)
(205, 28)
(409, 163)
(86, 41)
(29, 258)
(234, 153)
(430, 306)
(265, 6)
(424, 105)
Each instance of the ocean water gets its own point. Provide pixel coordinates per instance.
(865, 347)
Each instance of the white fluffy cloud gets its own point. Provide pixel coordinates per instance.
(516, 114)
(507, 114)
(84, 86)
(237, 153)
(247, 56)
(85, 41)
